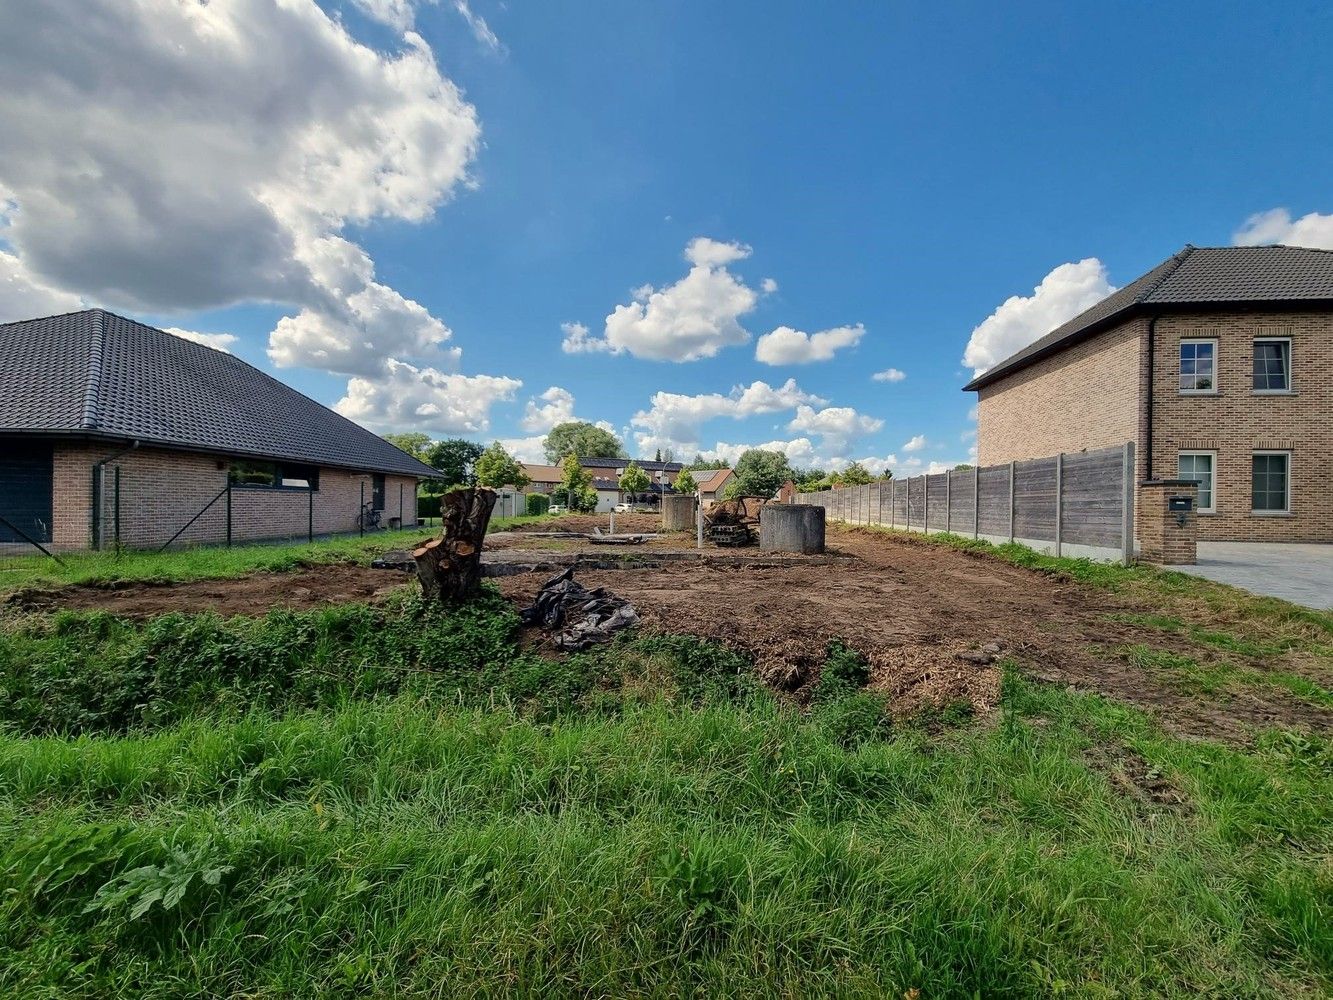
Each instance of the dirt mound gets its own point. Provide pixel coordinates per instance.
(313, 587)
(921, 614)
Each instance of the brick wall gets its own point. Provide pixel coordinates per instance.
(1235, 422)
(161, 490)
(1084, 398)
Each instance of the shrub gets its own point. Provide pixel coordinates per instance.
(538, 504)
(428, 505)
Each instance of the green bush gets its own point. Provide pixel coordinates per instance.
(538, 504)
(428, 506)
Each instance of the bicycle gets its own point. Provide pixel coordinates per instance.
(370, 518)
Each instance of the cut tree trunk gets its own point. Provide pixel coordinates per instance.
(449, 567)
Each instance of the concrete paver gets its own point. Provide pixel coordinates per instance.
(1300, 573)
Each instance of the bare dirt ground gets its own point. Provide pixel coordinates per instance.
(625, 523)
(931, 621)
(314, 587)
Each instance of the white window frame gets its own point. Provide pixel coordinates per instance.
(1272, 392)
(1212, 490)
(1285, 511)
(1217, 364)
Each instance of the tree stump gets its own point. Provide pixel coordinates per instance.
(449, 567)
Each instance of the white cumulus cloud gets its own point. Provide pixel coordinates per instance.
(556, 407)
(23, 296)
(915, 443)
(674, 420)
(405, 397)
(836, 426)
(224, 167)
(889, 375)
(786, 346)
(694, 318)
(1277, 226)
(1064, 293)
(218, 341)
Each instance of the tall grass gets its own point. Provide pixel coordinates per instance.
(400, 849)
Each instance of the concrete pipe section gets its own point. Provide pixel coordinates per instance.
(677, 513)
(791, 527)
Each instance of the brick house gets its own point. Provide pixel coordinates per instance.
(112, 431)
(605, 474)
(1217, 364)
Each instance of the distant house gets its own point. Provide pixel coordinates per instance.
(1217, 364)
(605, 474)
(712, 483)
(114, 431)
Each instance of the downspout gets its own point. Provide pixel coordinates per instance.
(1152, 364)
(97, 491)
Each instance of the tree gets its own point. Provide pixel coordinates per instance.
(886, 476)
(685, 483)
(496, 467)
(962, 467)
(576, 486)
(415, 444)
(668, 455)
(702, 463)
(760, 473)
(659, 455)
(578, 437)
(856, 474)
(455, 458)
(634, 479)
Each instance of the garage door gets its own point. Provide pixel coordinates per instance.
(25, 491)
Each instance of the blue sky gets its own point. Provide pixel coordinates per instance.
(899, 172)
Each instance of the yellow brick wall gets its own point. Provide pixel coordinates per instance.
(161, 490)
(1236, 421)
(1080, 399)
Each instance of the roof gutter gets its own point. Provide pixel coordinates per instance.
(1152, 371)
(97, 490)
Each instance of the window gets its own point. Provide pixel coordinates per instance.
(1198, 366)
(247, 473)
(1271, 484)
(1199, 465)
(1272, 365)
(272, 475)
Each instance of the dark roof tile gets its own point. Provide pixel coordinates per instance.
(1215, 276)
(102, 375)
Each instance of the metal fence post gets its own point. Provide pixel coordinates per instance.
(976, 501)
(1011, 501)
(400, 505)
(361, 512)
(1059, 499)
(1127, 500)
(310, 513)
(229, 515)
(115, 510)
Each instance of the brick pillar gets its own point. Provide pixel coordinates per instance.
(1163, 538)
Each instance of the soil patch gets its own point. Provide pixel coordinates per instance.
(313, 587)
(924, 616)
(626, 524)
(1135, 778)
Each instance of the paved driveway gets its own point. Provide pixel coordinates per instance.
(1302, 574)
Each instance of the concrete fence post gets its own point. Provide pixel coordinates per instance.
(1012, 468)
(893, 503)
(1059, 499)
(948, 502)
(1127, 499)
(925, 504)
(976, 501)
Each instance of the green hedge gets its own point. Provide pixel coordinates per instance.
(428, 506)
(538, 503)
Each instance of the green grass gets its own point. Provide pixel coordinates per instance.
(399, 801)
(209, 562)
(405, 848)
(198, 563)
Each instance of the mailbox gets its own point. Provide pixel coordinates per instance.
(1180, 504)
